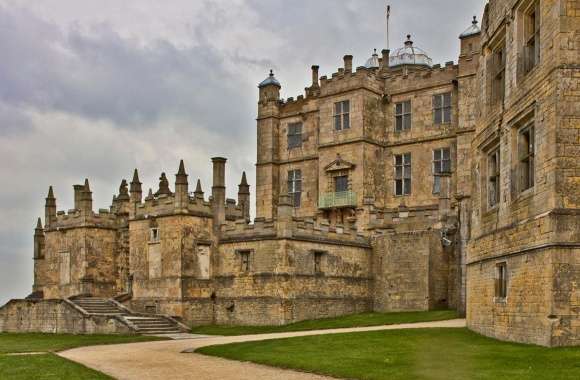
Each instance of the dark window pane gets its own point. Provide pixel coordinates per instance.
(399, 109)
(346, 122)
(337, 125)
(398, 187)
(438, 115)
(407, 119)
(437, 101)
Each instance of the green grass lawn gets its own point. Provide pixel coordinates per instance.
(49, 366)
(357, 320)
(408, 354)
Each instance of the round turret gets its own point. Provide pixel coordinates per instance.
(472, 30)
(409, 55)
(271, 80)
(373, 61)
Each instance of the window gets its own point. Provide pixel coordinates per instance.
(403, 116)
(294, 135)
(526, 157)
(442, 108)
(295, 186)
(493, 170)
(498, 72)
(341, 184)
(244, 261)
(342, 115)
(531, 21)
(501, 281)
(403, 174)
(318, 262)
(441, 164)
(154, 235)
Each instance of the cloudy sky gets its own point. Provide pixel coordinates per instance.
(95, 88)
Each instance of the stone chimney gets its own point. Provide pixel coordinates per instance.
(181, 188)
(315, 76)
(244, 197)
(218, 191)
(78, 190)
(49, 209)
(385, 60)
(348, 63)
(86, 199)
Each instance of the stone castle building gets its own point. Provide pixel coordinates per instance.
(397, 185)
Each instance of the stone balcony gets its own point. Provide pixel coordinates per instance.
(343, 199)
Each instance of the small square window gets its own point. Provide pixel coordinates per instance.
(442, 108)
(318, 262)
(403, 116)
(341, 183)
(244, 261)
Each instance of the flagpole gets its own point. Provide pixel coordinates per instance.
(388, 17)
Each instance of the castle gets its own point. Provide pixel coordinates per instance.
(397, 185)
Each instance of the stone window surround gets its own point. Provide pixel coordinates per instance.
(528, 35)
(406, 174)
(493, 177)
(294, 135)
(403, 115)
(317, 259)
(439, 166)
(294, 182)
(496, 67)
(523, 123)
(154, 236)
(445, 108)
(501, 282)
(341, 117)
(245, 259)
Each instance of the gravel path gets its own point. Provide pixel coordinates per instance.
(167, 360)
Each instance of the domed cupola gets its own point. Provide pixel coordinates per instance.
(373, 62)
(472, 30)
(271, 80)
(409, 55)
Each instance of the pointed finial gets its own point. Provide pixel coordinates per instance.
(50, 193)
(198, 189)
(181, 170)
(271, 72)
(474, 22)
(244, 180)
(87, 186)
(39, 224)
(135, 177)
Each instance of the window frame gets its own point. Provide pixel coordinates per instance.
(295, 187)
(493, 179)
(336, 182)
(245, 260)
(442, 108)
(501, 282)
(405, 178)
(526, 161)
(317, 256)
(499, 72)
(531, 20)
(438, 167)
(154, 236)
(294, 135)
(404, 116)
(341, 115)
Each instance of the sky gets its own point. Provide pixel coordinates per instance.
(95, 88)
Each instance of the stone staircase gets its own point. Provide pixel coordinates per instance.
(138, 322)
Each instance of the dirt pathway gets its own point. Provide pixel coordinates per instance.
(166, 359)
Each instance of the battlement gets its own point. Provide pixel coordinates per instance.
(75, 218)
(409, 81)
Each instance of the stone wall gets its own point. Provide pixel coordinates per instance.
(55, 316)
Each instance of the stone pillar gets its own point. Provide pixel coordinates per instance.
(181, 188)
(315, 76)
(348, 63)
(135, 190)
(244, 197)
(284, 216)
(218, 191)
(49, 209)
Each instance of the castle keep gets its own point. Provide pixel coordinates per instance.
(398, 185)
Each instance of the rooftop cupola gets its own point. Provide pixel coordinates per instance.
(270, 81)
(409, 55)
(373, 62)
(472, 30)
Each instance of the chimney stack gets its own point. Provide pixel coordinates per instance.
(78, 190)
(86, 201)
(315, 76)
(348, 63)
(218, 191)
(385, 60)
(38, 241)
